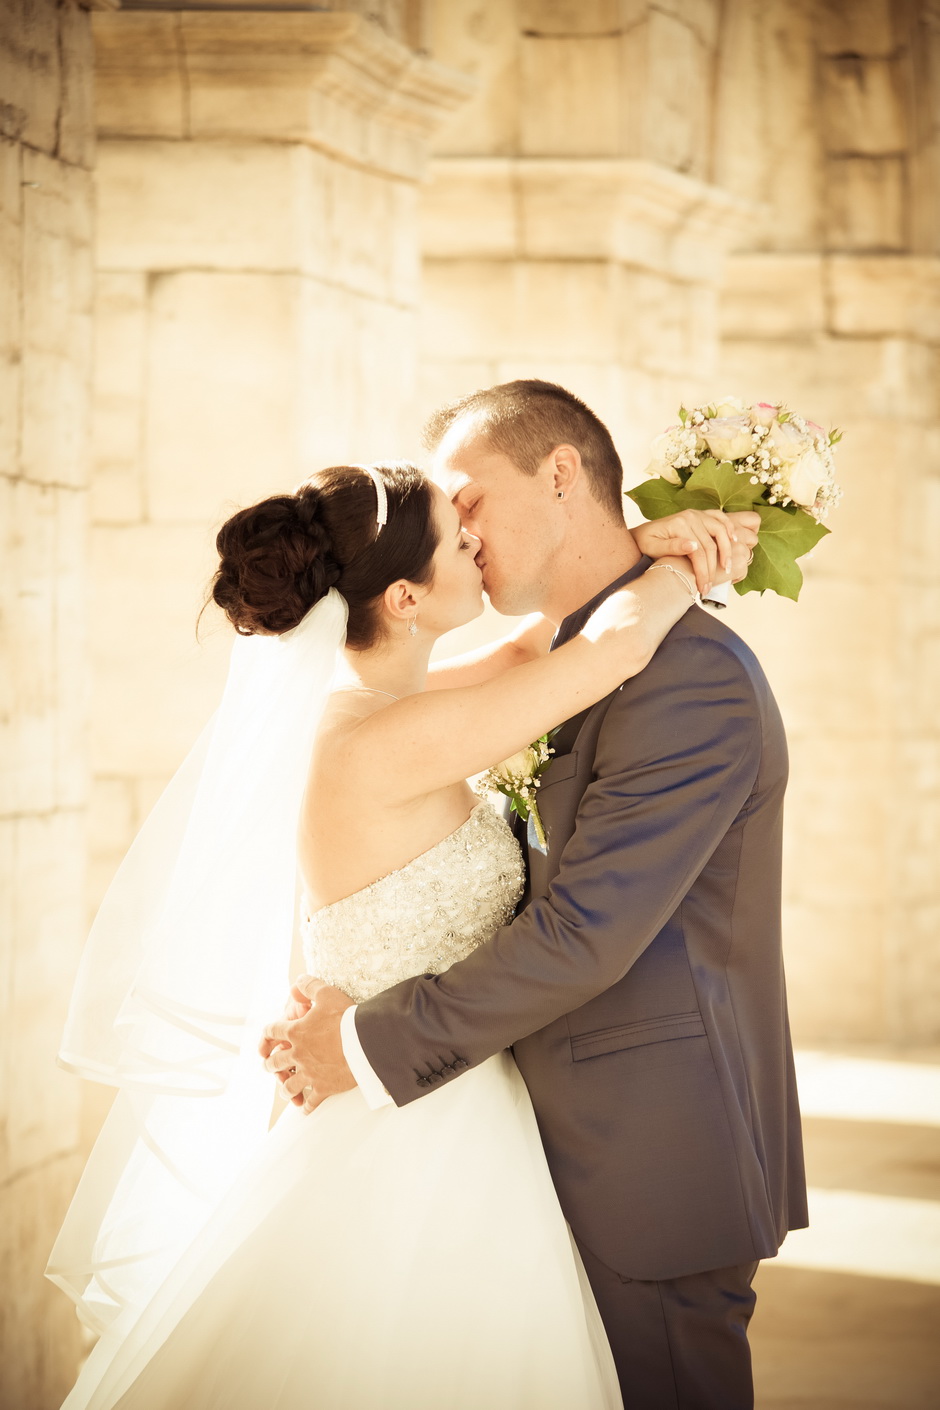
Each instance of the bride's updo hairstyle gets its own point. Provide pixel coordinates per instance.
(280, 556)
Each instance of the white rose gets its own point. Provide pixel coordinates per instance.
(789, 443)
(662, 470)
(728, 437)
(763, 413)
(518, 766)
(805, 477)
(729, 406)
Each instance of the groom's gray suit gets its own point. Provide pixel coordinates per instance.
(642, 989)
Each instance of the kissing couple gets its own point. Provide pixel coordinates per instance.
(542, 1119)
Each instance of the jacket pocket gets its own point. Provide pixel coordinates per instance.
(636, 1035)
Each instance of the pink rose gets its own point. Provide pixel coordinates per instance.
(763, 413)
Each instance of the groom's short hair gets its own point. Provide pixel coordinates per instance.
(526, 420)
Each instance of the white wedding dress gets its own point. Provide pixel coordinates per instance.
(399, 1259)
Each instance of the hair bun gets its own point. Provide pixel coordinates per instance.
(276, 563)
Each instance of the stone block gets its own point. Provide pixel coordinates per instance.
(153, 685)
(524, 310)
(772, 296)
(483, 42)
(570, 96)
(55, 437)
(222, 389)
(111, 815)
(666, 93)
(918, 1017)
(30, 75)
(790, 147)
(861, 106)
(118, 409)
(863, 27)
(865, 203)
(883, 295)
(29, 682)
(835, 963)
(76, 130)
(11, 240)
(838, 818)
(700, 16)
(887, 376)
(140, 83)
(358, 372)
(569, 17)
(488, 188)
(48, 929)
(220, 205)
(41, 1342)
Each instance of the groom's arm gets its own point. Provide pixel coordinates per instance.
(676, 760)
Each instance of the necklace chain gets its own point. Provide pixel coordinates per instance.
(373, 688)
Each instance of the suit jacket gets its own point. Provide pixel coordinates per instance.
(642, 983)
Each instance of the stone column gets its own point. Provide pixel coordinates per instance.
(46, 153)
(836, 308)
(571, 229)
(256, 319)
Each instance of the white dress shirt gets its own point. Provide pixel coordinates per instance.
(370, 1085)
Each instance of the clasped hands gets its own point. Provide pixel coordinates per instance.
(304, 1048)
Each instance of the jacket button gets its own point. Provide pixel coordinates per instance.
(422, 1081)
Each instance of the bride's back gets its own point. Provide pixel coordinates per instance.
(349, 836)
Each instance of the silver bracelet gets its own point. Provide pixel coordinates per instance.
(679, 574)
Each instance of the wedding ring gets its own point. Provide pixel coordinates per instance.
(291, 1071)
(750, 556)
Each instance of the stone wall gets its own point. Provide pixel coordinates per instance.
(576, 227)
(256, 319)
(836, 307)
(46, 155)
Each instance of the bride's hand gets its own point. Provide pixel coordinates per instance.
(306, 1052)
(708, 537)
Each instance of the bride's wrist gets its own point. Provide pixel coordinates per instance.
(681, 569)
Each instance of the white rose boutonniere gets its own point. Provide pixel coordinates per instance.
(519, 778)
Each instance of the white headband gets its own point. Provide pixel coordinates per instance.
(381, 507)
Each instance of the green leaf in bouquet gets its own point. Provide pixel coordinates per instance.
(716, 485)
(656, 498)
(783, 538)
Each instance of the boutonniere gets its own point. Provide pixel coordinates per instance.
(519, 778)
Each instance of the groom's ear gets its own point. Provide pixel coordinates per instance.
(566, 470)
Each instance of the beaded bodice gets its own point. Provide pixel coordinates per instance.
(423, 917)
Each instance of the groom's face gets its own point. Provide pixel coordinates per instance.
(511, 513)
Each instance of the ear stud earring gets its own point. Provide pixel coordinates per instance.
(561, 494)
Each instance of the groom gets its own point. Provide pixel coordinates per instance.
(641, 984)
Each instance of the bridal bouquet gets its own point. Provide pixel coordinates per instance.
(764, 458)
(518, 778)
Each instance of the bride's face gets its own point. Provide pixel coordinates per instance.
(455, 594)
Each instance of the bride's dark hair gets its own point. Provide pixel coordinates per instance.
(280, 556)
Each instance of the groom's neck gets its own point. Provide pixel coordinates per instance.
(595, 556)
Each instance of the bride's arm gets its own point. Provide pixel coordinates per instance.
(707, 535)
(530, 640)
(428, 741)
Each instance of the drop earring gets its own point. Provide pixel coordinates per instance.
(413, 626)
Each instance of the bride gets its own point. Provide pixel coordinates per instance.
(399, 1259)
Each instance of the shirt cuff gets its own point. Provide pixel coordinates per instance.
(370, 1085)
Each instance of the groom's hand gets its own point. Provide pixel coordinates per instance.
(306, 1052)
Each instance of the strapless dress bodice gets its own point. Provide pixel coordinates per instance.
(422, 918)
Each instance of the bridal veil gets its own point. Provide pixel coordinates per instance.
(187, 960)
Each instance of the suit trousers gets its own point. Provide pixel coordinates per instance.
(678, 1344)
